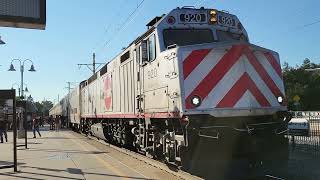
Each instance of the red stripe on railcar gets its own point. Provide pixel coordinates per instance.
(216, 74)
(193, 60)
(237, 91)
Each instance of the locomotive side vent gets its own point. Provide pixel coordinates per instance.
(92, 78)
(125, 56)
(104, 69)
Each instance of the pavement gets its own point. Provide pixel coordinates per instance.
(71, 156)
(67, 155)
(304, 160)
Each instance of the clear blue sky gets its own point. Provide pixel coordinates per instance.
(77, 28)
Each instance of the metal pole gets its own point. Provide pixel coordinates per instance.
(21, 70)
(68, 105)
(25, 125)
(14, 133)
(94, 63)
(69, 87)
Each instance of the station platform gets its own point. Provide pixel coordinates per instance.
(69, 155)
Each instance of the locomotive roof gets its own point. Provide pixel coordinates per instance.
(151, 26)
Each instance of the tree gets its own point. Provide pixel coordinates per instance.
(304, 84)
(47, 105)
(43, 107)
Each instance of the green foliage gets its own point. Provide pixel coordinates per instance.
(43, 107)
(305, 84)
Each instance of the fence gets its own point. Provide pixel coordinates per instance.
(309, 143)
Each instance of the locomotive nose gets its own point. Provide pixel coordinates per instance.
(237, 76)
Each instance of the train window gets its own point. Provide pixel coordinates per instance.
(144, 52)
(195, 36)
(138, 55)
(152, 48)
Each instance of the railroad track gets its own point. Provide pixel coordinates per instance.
(158, 164)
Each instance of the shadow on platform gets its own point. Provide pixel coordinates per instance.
(69, 170)
(66, 151)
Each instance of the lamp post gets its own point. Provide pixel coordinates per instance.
(1, 42)
(21, 71)
(22, 131)
(16, 84)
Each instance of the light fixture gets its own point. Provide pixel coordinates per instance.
(171, 20)
(213, 12)
(12, 68)
(213, 16)
(196, 101)
(32, 68)
(280, 99)
(1, 42)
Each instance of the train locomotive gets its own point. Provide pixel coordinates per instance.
(191, 91)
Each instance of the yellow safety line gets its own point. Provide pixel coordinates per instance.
(106, 165)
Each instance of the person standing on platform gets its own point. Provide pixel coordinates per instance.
(1, 130)
(5, 125)
(57, 123)
(36, 124)
(1, 124)
(41, 121)
(62, 122)
(51, 122)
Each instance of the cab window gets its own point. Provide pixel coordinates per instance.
(152, 48)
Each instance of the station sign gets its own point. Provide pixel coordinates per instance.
(29, 14)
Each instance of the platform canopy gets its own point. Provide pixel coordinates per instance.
(29, 14)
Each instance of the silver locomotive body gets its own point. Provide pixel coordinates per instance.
(191, 90)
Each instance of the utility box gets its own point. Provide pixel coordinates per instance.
(299, 127)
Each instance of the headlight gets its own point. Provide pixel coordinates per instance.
(213, 16)
(280, 99)
(196, 101)
(171, 20)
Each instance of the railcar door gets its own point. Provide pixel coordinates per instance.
(154, 88)
(139, 80)
(127, 86)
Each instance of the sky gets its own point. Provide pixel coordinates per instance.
(77, 28)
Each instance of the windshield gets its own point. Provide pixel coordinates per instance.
(228, 36)
(195, 36)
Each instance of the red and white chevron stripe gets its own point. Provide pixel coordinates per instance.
(236, 78)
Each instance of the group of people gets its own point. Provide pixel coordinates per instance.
(55, 123)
